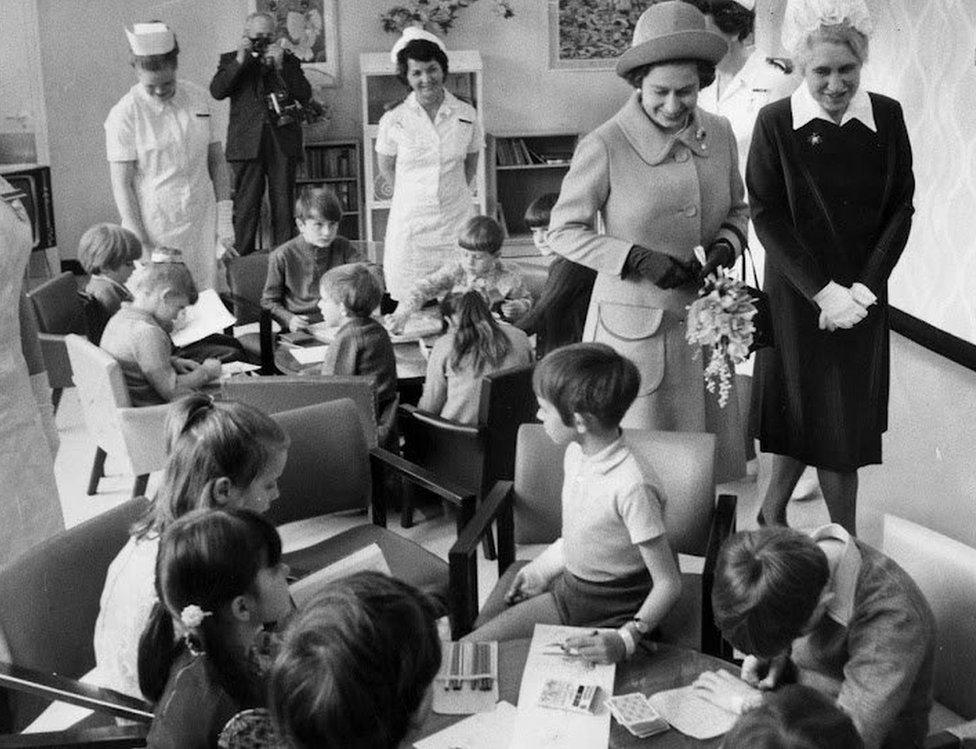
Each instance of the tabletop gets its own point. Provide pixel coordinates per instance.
(668, 667)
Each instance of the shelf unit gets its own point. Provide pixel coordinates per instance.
(525, 166)
(382, 91)
(337, 164)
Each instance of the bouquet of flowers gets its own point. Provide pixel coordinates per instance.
(721, 320)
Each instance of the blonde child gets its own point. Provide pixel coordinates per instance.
(138, 336)
(475, 345)
(108, 253)
(477, 265)
(349, 294)
(220, 581)
(613, 568)
(221, 454)
(291, 290)
(356, 666)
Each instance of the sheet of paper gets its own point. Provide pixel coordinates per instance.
(206, 317)
(367, 559)
(309, 354)
(227, 369)
(481, 731)
(690, 714)
(254, 327)
(538, 727)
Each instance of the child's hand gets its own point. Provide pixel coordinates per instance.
(527, 584)
(298, 322)
(396, 323)
(184, 366)
(212, 368)
(764, 673)
(602, 646)
(511, 309)
(727, 691)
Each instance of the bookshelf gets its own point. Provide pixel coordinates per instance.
(382, 91)
(337, 164)
(526, 166)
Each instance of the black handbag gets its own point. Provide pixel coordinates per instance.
(762, 335)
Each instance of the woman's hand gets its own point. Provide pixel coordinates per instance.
(838, 308)
(719, 253)
(528, 583)
(764, 673)
(602, 646)
(727, 691)
(662, 270)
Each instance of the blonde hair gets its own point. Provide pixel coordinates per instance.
(107, 247)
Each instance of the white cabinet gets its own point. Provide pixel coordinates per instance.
(382, 91)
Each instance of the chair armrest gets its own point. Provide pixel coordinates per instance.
(408, 411)
(463, 556)
(723, 526)
(105, 737)
(942, 740)
(73, 692)
(265, 331)
(143, 432)
(54, 352)
(381, 460)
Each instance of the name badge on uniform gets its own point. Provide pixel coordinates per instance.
(202, 114)
(466, 122)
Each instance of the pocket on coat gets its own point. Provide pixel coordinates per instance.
(634, 331)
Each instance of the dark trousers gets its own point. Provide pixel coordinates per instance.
(249, 179)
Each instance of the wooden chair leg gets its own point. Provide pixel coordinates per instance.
(56, 394)
(139, 487)
(488, 544)
(406, 505)
(97, 471)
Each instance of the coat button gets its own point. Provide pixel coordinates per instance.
(691, 210)
(682, 156)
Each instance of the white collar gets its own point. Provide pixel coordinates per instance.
(446, 108)
(806, 109)
(843, 576)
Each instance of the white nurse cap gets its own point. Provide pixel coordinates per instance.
(150, 39)
(409, 34)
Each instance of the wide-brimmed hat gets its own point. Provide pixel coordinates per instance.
(672, 30)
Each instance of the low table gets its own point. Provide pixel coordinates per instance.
(668, 667)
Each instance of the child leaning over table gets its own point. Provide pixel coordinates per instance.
(613, 568)
(477, 265)
(138, 336)
(349, 294)
(291, 290)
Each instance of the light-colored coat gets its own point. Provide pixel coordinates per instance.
(669, 194)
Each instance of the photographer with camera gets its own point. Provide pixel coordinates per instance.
(268, 97)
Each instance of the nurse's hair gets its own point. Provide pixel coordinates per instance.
(730, 16)
(481, 234)
(420, 50)
(170, 275)
(840, 33)
(317, 202)
(107, 247)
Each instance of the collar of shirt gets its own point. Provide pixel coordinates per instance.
(126, 294)
(147, 316)
(650, 142)
(843, 578)
(607, 459)
(489, 278)
(806, 109)
(446, 109)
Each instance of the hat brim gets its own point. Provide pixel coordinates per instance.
(680, 45)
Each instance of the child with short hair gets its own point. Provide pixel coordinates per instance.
(356, 666)
(291, 290)
(220, 454)
(220, 581)
(477, 265)
(475, 345)
(138, 336)
(613, 567)
(794, 717)
(557, 318)
(108, 253)
(348, 296)
(850, 619)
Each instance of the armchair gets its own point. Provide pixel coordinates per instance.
(58, 310)
(529, 511)
(245, 280)
(133, 434)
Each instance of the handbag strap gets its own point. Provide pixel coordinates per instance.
(752, 261)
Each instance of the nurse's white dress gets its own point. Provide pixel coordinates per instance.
(431, 198)
(169, 140)
(30, 510)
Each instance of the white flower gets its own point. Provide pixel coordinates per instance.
(192, 616)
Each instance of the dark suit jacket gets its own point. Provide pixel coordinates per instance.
(247, 85)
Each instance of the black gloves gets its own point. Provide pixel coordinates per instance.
(720, 252)
(663, 270)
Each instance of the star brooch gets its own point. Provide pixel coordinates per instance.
(815, 139)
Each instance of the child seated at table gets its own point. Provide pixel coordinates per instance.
(477, 265)
(220, 581)
(794, 717)
(850, 619)
(349, 295)
(356, 666)
(475, 345)
(613, 568)
(108, 253)
(557, 318)
(138, 336)
(291, 290)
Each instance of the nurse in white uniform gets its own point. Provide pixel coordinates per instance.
(165, 159)
(427, 148)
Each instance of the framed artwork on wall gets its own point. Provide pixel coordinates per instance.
(591, 34)
(307, 28)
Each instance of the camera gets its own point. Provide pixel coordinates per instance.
(284, 108)
(259, 45)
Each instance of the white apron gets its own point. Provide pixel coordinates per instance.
(169, 143)
(431, 198)
(30, 510)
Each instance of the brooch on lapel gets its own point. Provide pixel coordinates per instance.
(815, 139)
(700, 137)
